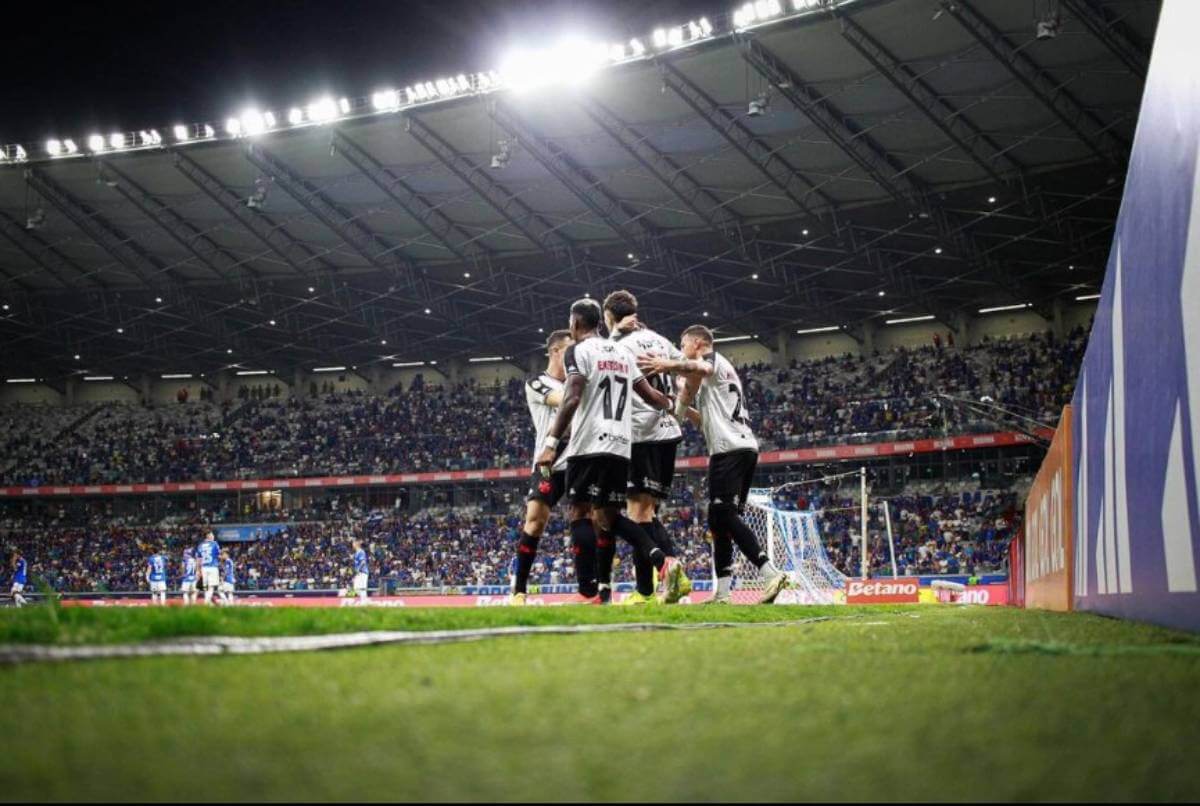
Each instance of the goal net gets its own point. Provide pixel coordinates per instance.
(793, 543)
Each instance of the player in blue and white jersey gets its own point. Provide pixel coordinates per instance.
(228, 578)
(187, 583)
(20, 578)
(156, 575)
(362, 571)
(209, 554)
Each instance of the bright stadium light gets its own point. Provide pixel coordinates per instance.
(209, 132)
(329, 369)
(408, 364)
(54, 147)
(116, 140)
(97, 377)
(810, 330)
(386, 101)
(637, 47)
(571, 61)
(910, 319)
(95, 142)
(70, 147)
(253, 122)
(295, 116)
(727, 339)
(659, 38)
(1086, 297)
(21, 380)
(233, 127)
(177, 376)
(490, 359)
(999, 308)
(182, 133)
(253, 372)
(322, 110)
(344, 105)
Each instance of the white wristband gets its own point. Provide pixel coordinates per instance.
(551, 443)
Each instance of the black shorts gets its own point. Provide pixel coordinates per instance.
(599, 479)
(547, 490)
(652, 468)
(729, 477)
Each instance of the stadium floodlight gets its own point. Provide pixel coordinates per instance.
(407, 364)
(77, 356)
(116, 140)
(1086, 297)
(21, 380)
(706, 27)
(616, 53)
(882, 293)
(637, 47)
(810, 330)
(97, 377)
(675, 37)
(910, 319)
(209, 132)
(177, 376)
(727, 339)
(233, 127)
(489, 359)
(428, 312)
(54, 147)
(344, 105)
(269, 119)
(329, 369)
(182, 133)
(322, 110)
(1017, 307)
(295, 116)
(252, 122)
(120, 331)
(19, 153)
(937, 250)
(659, 37)
(386, 101)
(95, 143)
(253, 372)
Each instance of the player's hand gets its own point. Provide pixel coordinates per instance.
(653, 364)
(545, 460)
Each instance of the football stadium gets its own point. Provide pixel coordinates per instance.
(796, 400)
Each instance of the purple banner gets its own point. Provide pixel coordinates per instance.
(1137, 401)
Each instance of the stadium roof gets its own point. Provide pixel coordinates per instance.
(911, 158)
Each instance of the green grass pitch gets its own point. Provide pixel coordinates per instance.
(920, 703)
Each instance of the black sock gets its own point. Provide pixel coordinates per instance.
(606, 552)
(643, 572)
(661, 537)
(636, 536)
(527, 548)
(722, 555)
(583, 546)
(724, 521)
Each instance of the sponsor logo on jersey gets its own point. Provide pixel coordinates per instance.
(611, 365)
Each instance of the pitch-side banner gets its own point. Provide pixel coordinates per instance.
(1137, 400)
(1048, 522)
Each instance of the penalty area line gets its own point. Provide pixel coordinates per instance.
(11, 654)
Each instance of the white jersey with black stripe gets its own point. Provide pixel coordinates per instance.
(537, 390)
(651, 424)
(603, 423)
(724, 419)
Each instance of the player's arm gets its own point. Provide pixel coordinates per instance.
(572, 395)
(687, 393)
(651, 364)
(651, 395)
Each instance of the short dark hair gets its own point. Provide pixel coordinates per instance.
(621, 304)
(556, 338)
(587, 310)
(701, 332)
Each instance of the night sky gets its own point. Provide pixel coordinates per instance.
(105, 67)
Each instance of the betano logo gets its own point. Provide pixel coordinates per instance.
(897, 591)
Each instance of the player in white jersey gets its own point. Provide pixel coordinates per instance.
(543, 395)
(733, 454)
(656, 436)
(601, 377)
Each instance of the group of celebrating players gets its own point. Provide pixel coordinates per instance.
(608, 414)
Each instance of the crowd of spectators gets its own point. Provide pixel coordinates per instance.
(945, 532)
(469, 427)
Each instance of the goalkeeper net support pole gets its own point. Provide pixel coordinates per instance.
(887, 519)
(866, 563)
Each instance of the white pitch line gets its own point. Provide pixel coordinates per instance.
(231, 645)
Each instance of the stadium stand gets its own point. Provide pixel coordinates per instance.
(469, 427)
